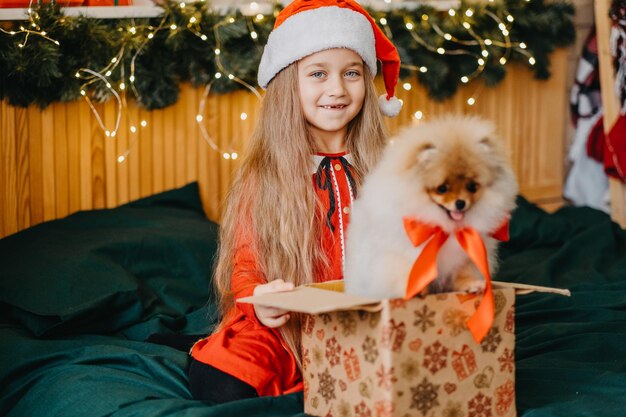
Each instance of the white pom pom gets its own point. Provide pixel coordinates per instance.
(391, 107)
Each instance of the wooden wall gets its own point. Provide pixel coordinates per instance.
(57, 161)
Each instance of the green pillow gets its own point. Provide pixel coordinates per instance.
(102, 271)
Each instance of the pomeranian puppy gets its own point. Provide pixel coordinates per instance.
(451, 172)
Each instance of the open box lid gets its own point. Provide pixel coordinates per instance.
(329, 296)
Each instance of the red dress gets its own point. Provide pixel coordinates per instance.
(244, 347)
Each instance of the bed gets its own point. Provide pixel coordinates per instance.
(81, 297)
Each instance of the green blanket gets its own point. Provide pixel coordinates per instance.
(80, 296)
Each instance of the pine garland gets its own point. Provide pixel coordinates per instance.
(43, 72)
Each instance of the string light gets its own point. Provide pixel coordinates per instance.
(149, 32)
(418, 115)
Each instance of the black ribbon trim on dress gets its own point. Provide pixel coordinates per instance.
(325, 182)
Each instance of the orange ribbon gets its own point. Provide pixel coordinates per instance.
(424, 270)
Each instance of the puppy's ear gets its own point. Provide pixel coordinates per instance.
(486, 144)
(425, 153)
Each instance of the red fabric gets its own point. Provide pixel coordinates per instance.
(609, 150)
(244, 347)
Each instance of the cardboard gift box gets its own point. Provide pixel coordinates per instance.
(365, 358)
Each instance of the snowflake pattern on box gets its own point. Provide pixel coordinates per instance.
(413, 357)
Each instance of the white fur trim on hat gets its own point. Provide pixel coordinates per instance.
(389, 107)
(317, 30)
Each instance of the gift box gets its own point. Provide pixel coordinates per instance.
(416, 357)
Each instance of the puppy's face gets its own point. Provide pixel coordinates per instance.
(454, 173)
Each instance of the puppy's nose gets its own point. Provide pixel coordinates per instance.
(459, 204)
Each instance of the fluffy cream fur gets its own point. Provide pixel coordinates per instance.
(454, 151)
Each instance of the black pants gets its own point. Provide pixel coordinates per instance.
(206, 383)
(209, 384)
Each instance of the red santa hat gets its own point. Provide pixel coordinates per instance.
(308, 26)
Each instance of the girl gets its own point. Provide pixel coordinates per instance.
(320, 130)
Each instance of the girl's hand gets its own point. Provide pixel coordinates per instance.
(270, 316)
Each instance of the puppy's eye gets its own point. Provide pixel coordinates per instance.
(442, 189)
(472, 187)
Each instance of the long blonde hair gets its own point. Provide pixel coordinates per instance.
(273, 191)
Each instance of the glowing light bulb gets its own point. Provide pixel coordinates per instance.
(121, 159)
(451, 12)
(150, 35)
(510, 18)
(199, 118)
(418, 115)
(485, 53)
(481, 62)
(469, 13)
(173, 27)
(218, 75)
(466, 25)
(447, 36)
(464, 79)
(133, 129)
(409, 26)
(107, 133)
(471, 101)
(203, 37)
(441, 51)
(182, 5)
(217, 51)
(234, 155)
(423, 69)
(488, 42)
(383, 21)
(107, 74)
(231, 77)
(424, 17)
(132, 30)
(531, 61)
(143, 123)
(253, 35)
(522, 45)
(193, 19)
(243, 116)
(259, 17)
(77, 75)
(226, 155)
(108, 85)
(83, 92)
(502, 61)
(122, 86)
(113, 60)
(131, 78)
(407, 86)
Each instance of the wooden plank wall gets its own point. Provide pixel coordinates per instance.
(57, 161)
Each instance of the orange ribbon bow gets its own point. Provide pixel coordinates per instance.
(424, 269)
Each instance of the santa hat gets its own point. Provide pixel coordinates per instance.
(308, 26)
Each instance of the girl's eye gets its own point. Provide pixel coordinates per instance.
(442, 189)
(317, 74)
(352, 73)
